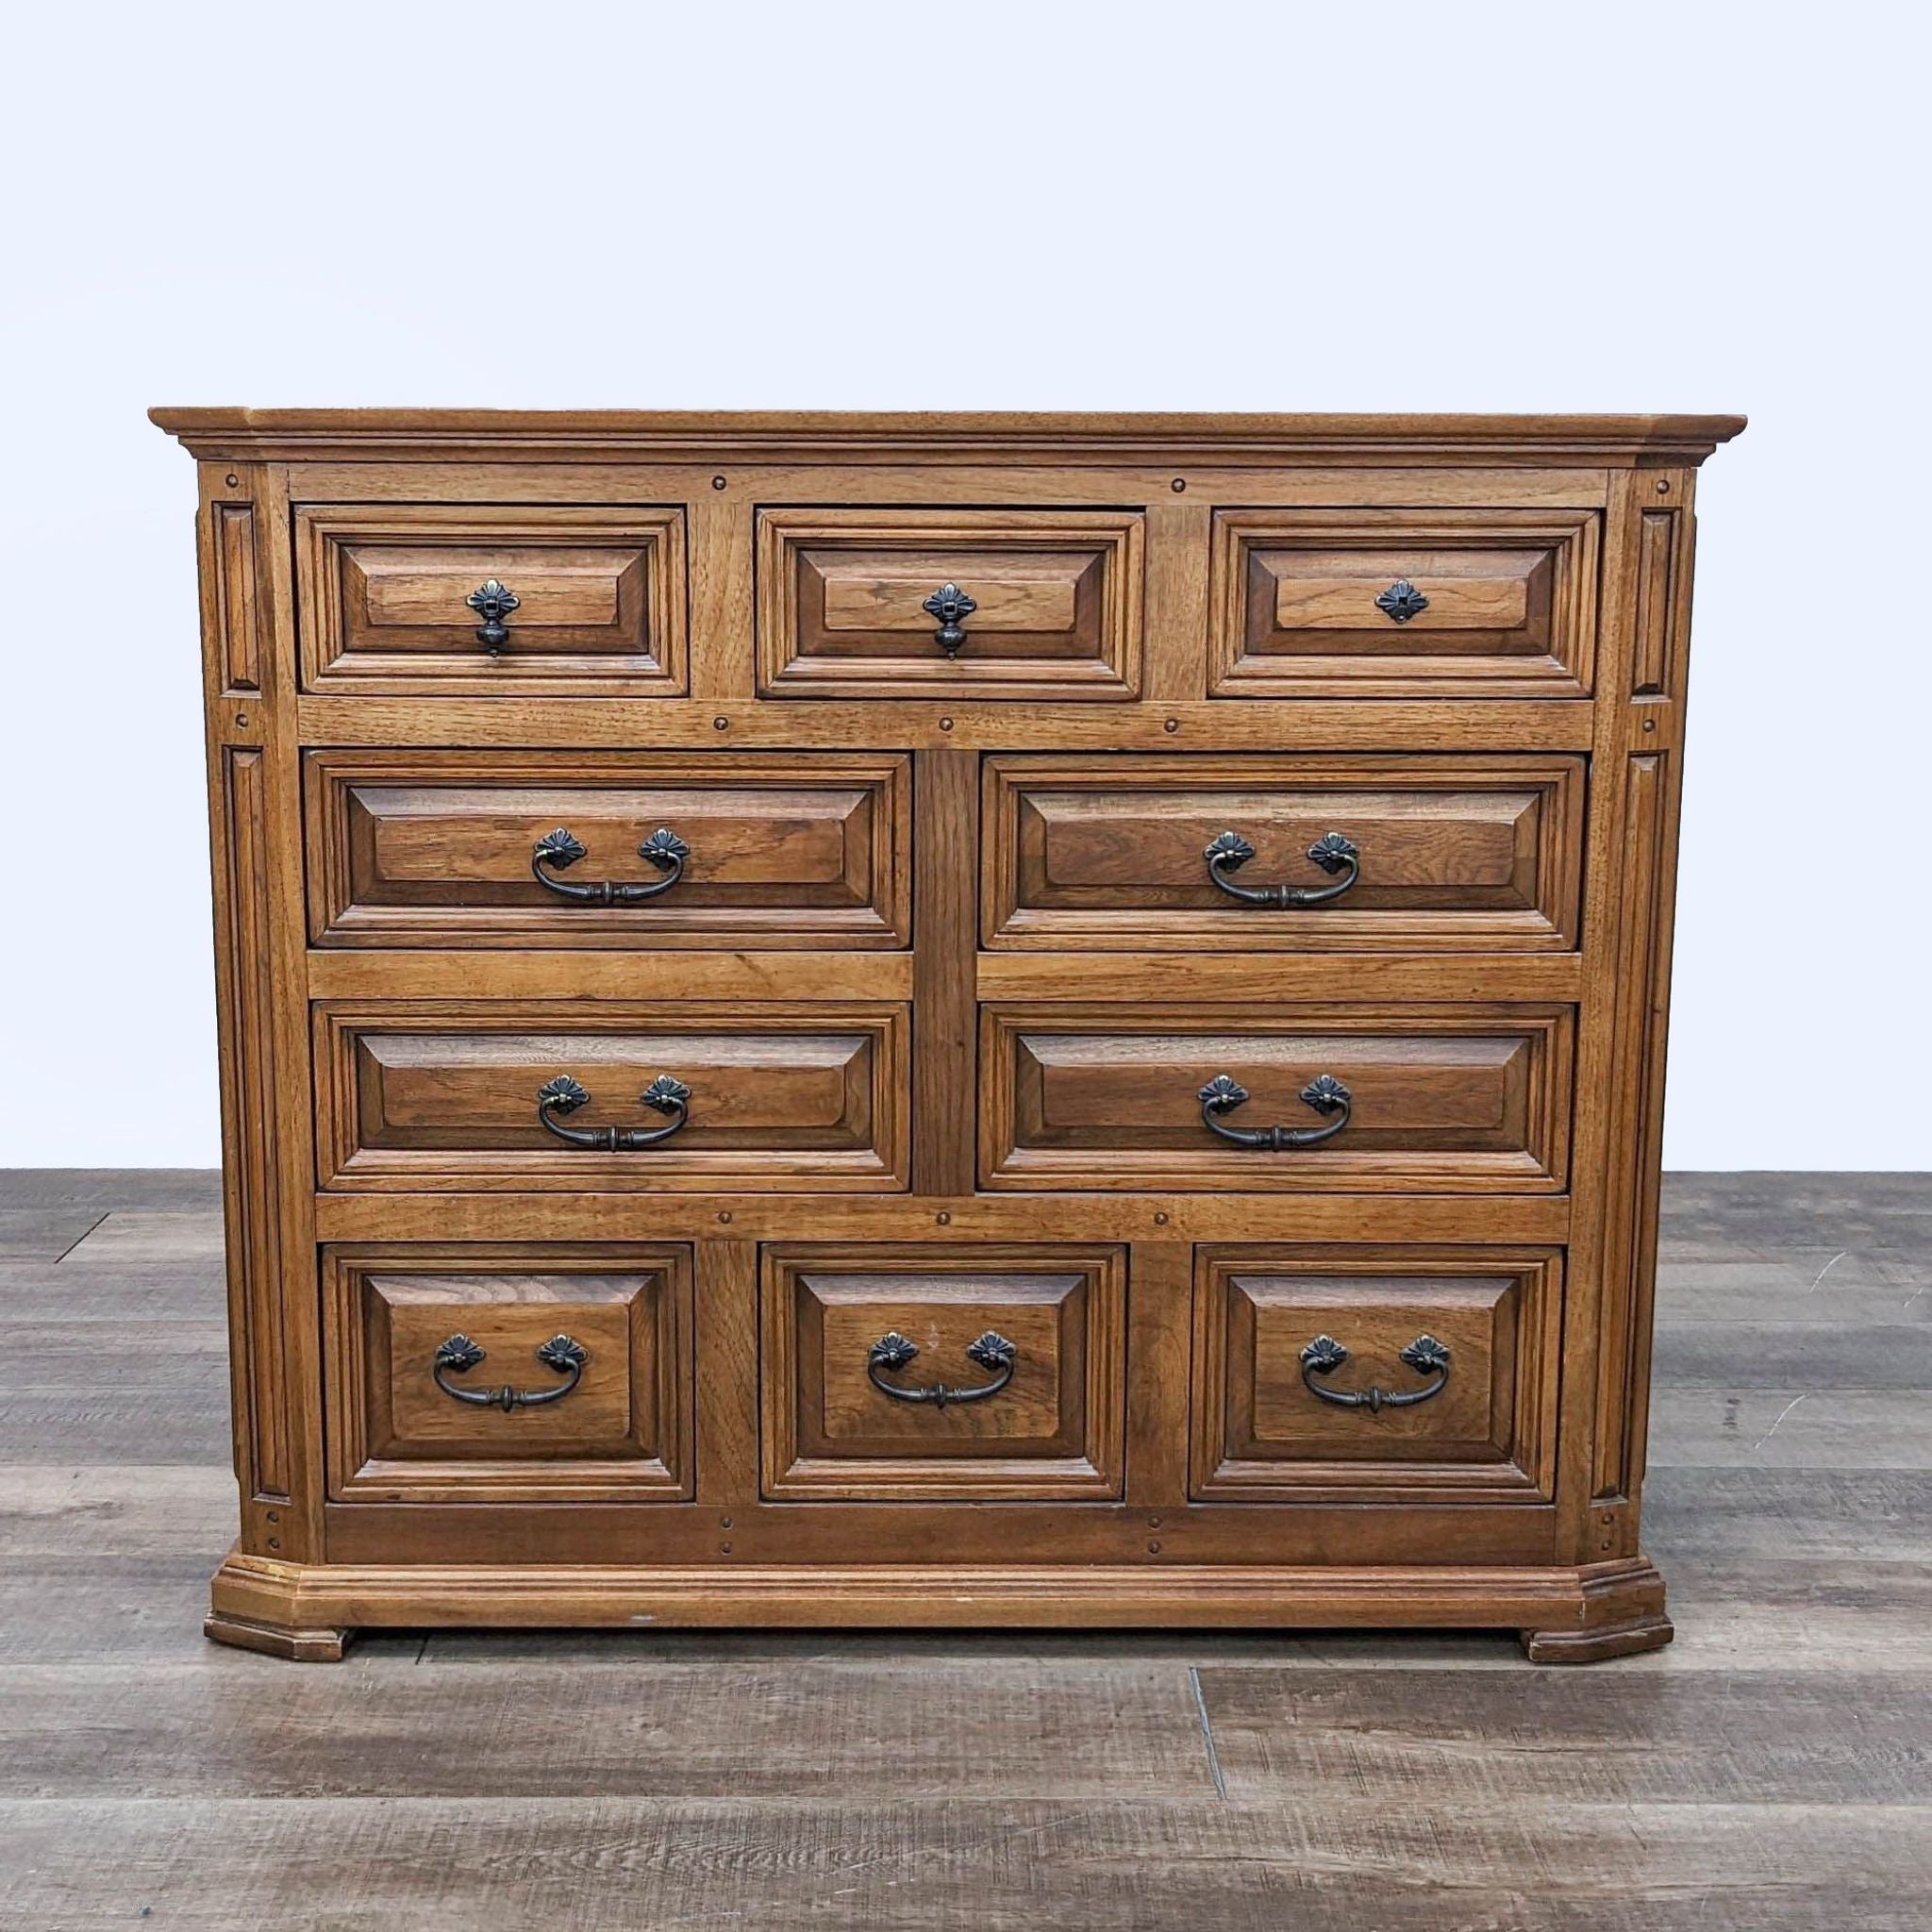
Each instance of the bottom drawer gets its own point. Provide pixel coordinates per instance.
(923, 1375)
(498, 1373)
(1399, 1374)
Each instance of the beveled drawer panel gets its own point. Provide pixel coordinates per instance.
(440, 848)
(1425, 1099)
(1388, 853)
(384, 595)
(463, 1095)
(851, 603)
(474, 1373)
(1027, 1342)
(1398, 1374)
(1402, 604)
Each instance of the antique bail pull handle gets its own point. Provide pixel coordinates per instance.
(1325, 1094)
(563, 1096)
(1424, 1354)
(558, 849)
(892, 1353)
(458, 1354)
(1229, 852)
(492, 602)
(948, 607)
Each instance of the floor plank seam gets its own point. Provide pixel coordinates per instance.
(1207, 1734)
(93, 1229)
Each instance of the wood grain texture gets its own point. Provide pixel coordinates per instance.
(438, 849)
(620, 1432)
(1055, 1430)
(944, 1067)
(1763, 1774)
(944, 971)
(1490, 1430)
(1217, 724)
(123, 1188)
(945, 436)
(427, 1093)
(1474, 1100)
(1108, 1864)
(1058, 599)
(1509, 603)
(1464, 856)
(638, 1215)
(601, 599)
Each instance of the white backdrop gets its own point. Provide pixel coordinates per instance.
(1107, 207)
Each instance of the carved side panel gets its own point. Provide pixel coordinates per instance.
(248, 1089)
(1662, 618)
(1629, 1257)
(1640, 756)
(231, 568)
(264, 1077)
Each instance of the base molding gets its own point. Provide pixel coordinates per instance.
(1565, 1613)
(317, 1646)
(1593, 1646)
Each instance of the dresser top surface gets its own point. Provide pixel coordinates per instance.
(985, 436)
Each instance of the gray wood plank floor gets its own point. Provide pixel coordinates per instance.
(1772, 1769)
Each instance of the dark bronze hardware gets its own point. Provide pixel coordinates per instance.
(1229, 852)
(554, 850)
(1402, 601)
(458, 1354)
(948, 606)
(493, 603)
(892, 1353)
(563, 1096)
(1325, 1094)
(1424, 1354)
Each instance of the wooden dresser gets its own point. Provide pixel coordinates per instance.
(942, 1020)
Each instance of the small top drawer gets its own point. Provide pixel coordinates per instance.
(890, 602)
(1403, 603)
(1301, 852)
(426, 600)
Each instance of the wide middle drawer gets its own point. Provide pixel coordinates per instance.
(1304, 852)
(611, 1095)
(608, 849)
(1448, 1099)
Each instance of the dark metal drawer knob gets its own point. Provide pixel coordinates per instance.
(1325, 1094)
(1229, 852)
(459, 1355)
(1424, 1354)
(563, 1096)
(1402, 601)
(492, 602)
(948, 607)
(891, 1353)
(557, 850)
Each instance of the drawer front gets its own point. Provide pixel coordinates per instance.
(857, 1341)
(1397, 1373)
(960, 603)
(1402, 604)
(1446, 854)
(1430, 1099)
(386, 589)
(440, 848)
(584, 1354)
(480, 1095)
